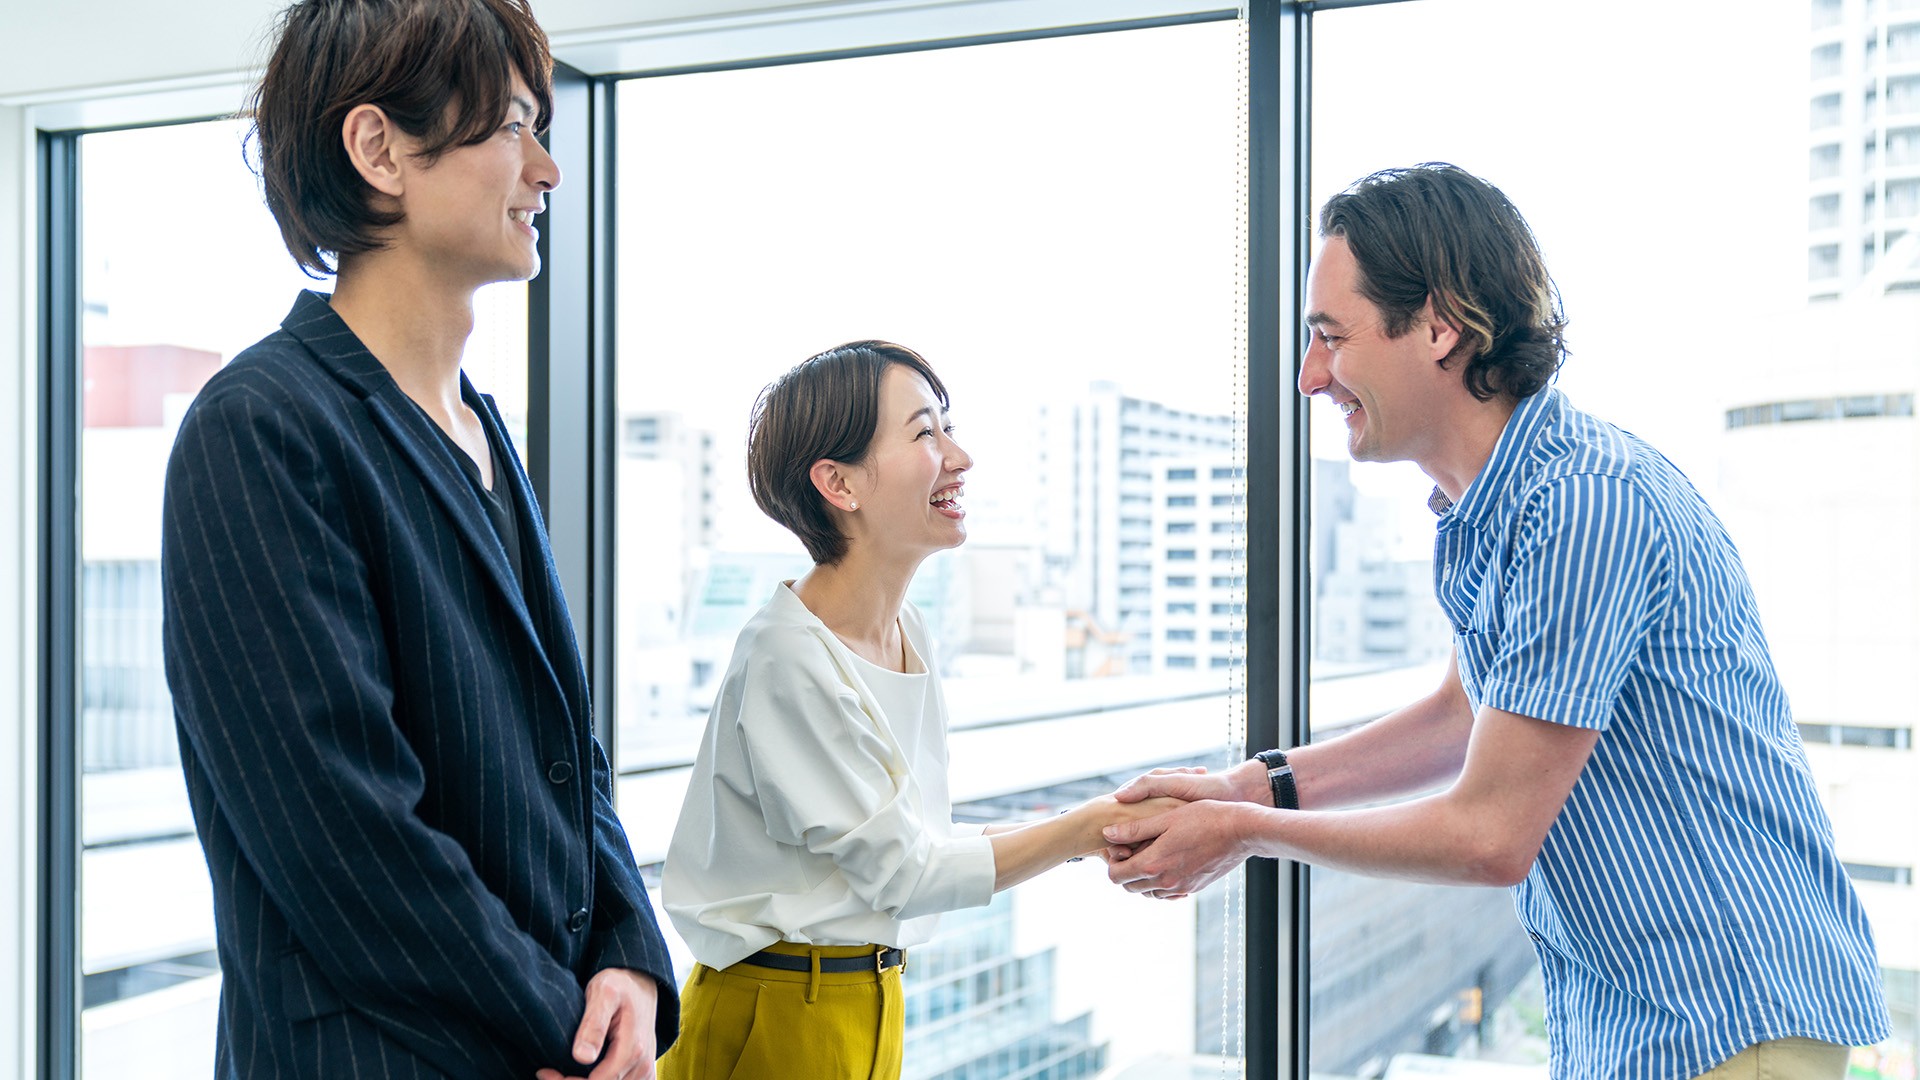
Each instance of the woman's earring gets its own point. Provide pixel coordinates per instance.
(853, 504)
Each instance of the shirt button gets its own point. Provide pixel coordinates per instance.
(560, 772)
(578, 922)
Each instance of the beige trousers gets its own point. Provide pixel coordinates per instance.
(1784, 1059)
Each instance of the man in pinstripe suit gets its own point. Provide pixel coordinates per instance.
(1611, 739)
(383, 715)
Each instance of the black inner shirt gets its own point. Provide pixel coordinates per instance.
(499, 502)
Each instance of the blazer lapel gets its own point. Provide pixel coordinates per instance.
(314, 322)
(544, 597)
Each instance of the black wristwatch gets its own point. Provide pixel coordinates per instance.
(1286, 796)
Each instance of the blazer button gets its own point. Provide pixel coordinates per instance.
(560, 772)
(578, 922)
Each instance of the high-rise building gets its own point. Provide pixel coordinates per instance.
(1863, 207)
(977, 1007)
(1373, 607)
(1197, 575)
(1097, 472)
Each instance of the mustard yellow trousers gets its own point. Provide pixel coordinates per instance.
(753, 1023)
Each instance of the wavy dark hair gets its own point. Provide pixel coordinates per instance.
(1437, 232)
(442, 71)
(827, 407)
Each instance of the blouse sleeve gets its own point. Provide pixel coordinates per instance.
(828, 779)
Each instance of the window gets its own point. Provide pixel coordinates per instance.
(1005, 169)
(1824, 161)
(1903, 198)
(1823, 262)
(1176, 528)
(1825, 111)
(150, 339)
(1885, 738)
(1903, 44)
(1823, 211)
(1826, 61)
(1181, 607)
(1880, 875)
(1903, 96)
(1903, 146)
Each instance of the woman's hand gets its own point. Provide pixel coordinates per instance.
(1098, 813)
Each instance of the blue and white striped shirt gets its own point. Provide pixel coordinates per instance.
(1688, 901)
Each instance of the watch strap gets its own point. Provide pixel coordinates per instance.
(1286, 794)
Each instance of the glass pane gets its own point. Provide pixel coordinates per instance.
(181, 268)
(1055, 225)
(1673, 210)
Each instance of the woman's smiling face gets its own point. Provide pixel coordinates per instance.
(911, 481)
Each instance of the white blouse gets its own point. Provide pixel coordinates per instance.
(818, 810)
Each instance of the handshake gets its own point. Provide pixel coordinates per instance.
(1173, 832)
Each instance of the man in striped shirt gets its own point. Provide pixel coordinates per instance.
(1611, 739)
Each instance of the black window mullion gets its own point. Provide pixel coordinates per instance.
(58, 937)
(1278, 469)
(570, 374)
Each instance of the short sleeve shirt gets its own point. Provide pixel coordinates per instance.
(1688, 901)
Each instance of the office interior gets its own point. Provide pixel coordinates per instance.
(1094, 217)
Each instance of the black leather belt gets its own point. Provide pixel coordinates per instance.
(880, 961)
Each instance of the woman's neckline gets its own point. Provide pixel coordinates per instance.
(912, 664)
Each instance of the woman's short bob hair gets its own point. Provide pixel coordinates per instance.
(442, 71)
(828, 407)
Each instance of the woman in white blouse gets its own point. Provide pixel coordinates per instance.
(817, 842)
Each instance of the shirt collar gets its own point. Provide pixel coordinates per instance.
(1516, 439)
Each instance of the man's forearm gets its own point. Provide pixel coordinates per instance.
(1410, 750)
(1433, 839)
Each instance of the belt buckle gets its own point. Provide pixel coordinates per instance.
(880, 960)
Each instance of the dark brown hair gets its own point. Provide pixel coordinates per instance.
(1437, 232)
(442, 71)
(828, 407)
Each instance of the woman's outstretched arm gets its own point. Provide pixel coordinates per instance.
(1027, 849)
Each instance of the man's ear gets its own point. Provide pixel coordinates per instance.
(1442, 336)
(377, 148)
(830, 478)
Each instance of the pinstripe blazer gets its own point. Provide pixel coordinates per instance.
(387, 743)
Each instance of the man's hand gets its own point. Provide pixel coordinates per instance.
(619, 1017)
(1243, 783)
(1180, 852)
